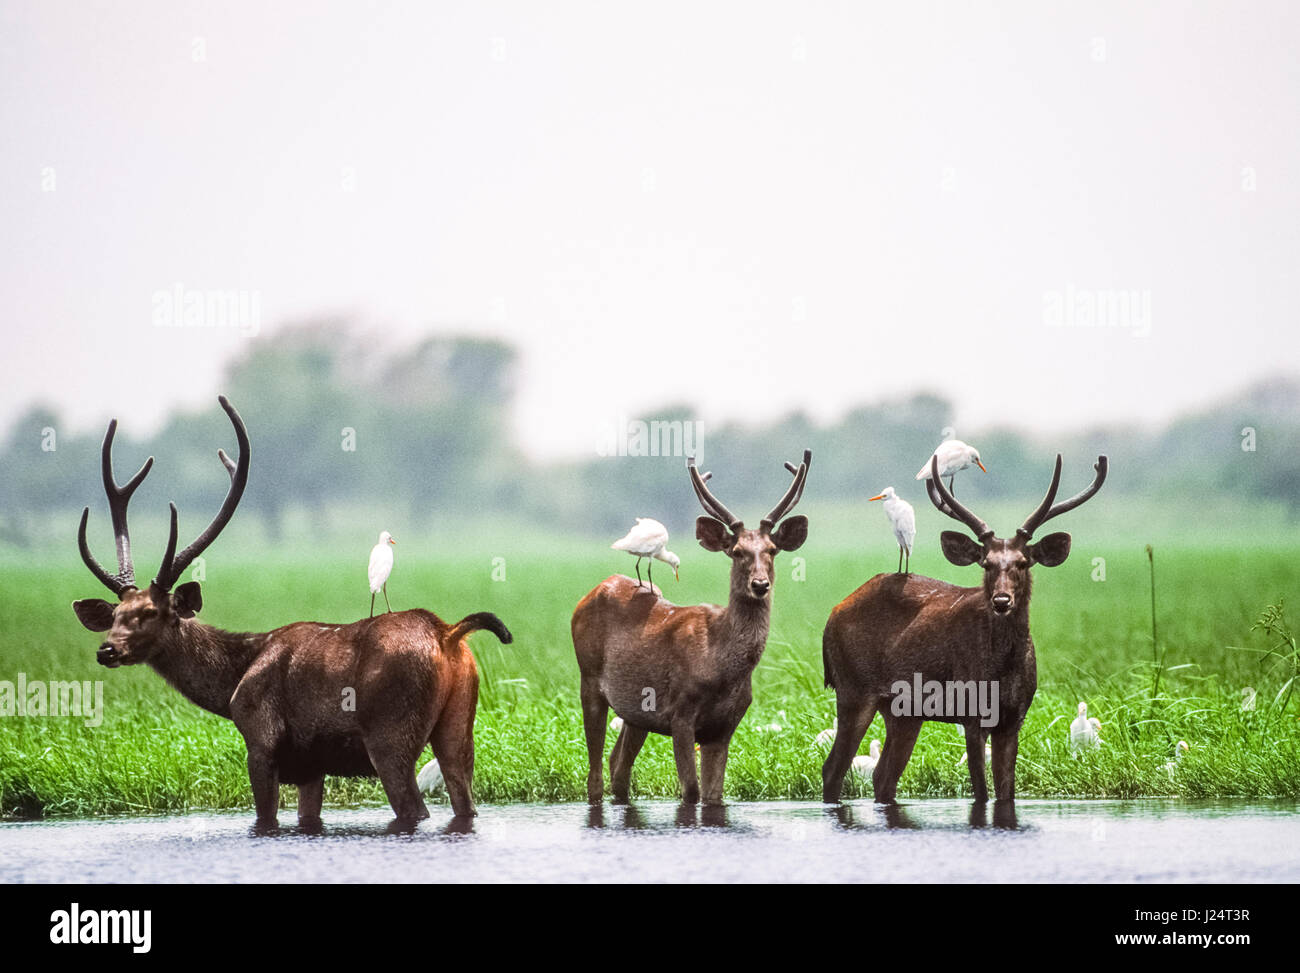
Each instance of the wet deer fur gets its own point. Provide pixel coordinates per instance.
(310, 699)
(684, 672)
(899, 625)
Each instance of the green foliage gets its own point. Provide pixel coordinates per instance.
(156, 752)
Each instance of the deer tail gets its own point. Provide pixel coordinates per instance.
(826, 658)
(480, 621)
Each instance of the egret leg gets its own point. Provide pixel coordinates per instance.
(638, 572)
(908, 569)
(372, 604)
(650, 572)
(900, 560)
(950, 479)
(388, 606)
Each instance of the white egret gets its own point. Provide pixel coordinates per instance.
(954, 455)
(988, 752)
(430, 778)
(616, 724)
(1179, 751)
(865, 764)
(1247, 698)
(381, 566)
(826, 737)
(903, 517)
(1084, 731)
(775, 726)
(648, 539)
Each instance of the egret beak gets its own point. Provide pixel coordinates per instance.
(391, 541)
(881, 497)
(676, 576)
(980, 465)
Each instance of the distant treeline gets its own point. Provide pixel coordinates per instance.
(334, 422)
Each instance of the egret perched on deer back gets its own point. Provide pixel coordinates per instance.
(381, 566)
(953, 455)
(903, 517)
(648, 539)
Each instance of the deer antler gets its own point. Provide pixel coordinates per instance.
(792, 495)
(118, 498)
(1047, 509)
(173, 564)
(711, 504)
(948, 504)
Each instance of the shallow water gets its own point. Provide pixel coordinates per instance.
(920, 841)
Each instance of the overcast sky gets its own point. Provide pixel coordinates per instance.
(754, 207)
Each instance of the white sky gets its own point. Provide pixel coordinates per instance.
(752, 207)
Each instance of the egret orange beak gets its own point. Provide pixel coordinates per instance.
(676, 576)
(391, 541)
(980, 465)
(881, 497)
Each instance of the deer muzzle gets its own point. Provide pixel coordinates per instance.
(108, 656)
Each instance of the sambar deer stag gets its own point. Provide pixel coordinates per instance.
(309, 699)
(909, 629)
(683, 672)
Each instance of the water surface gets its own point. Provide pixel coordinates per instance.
(658, 841)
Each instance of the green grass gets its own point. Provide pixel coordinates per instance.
(156, 752)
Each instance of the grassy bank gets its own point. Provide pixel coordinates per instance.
(154, 751)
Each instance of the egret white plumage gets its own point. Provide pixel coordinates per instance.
(1084, 731)
(826, 737)
(775, 726)
(903, 517)
(988, 752)
(616, 724)
(381, 566)
(865, 764)
(430, 779)
(648, 539)
(1247, 698)
(954, 455)
(1180, 749)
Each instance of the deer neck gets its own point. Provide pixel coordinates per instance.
(205, 664)
(743, 628)
(1009, 633)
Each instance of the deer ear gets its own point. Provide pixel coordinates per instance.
(791, 534)
(712, 535)
(1051, 550)
(187, 599)
(959, 549)
(94, 613)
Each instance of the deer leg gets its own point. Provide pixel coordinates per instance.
(310, 797)
(386, 604)
(629, 744)
(594, 711)
(684, 755)
(264, 777)
(900, 738)
(975, 764)
(1006, 742)
(453, 745)
(853, 718)
(396, 769)
(713, 768)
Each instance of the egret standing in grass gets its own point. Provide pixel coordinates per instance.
(648, 539)
(1084, 731)
(903, 517)
(865, 764)
(1179, 750)
(381, 566)
(954, 455)
(430, 779)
